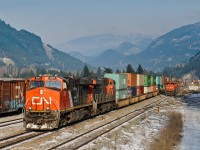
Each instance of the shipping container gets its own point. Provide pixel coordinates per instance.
(120, 80)
(147, 89)
(142, 90)
(12, 94)
(161, 80)
(158, 87)
(157, 80)
(131, 79)
(122, 94)
(135, 91)
(153, 88)
(194, 88)
(153, 80)
(140, 80)
(147, 80)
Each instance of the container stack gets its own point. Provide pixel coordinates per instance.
(162, 83)
(132, 84)
(153, 83)
(140, 83)
(158, 78)
(135, 83)
(147, 84)
(120, 84)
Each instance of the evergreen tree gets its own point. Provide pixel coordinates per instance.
(123, 71)
(129, 69)
(86, 72)
(99, 74)
(140, 69)
(107, 70)
(118, 71)
(92, 74)
(41, 71)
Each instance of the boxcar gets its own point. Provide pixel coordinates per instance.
(12, 94)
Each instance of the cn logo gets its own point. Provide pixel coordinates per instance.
(41, 101)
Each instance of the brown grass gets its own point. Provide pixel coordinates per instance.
(170, 136)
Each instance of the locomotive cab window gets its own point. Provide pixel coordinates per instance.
(53, 84)
(35, 84)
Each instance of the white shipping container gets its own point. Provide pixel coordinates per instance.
(147, 89)
(161, 80)
(194, 88)
(140, 80)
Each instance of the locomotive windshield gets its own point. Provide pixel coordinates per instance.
(35, 84)
(53, 84)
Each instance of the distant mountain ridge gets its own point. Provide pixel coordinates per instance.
(173, 47)
(25, 49)
(96, 44)
(170, 49)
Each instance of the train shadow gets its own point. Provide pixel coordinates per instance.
(8, 114)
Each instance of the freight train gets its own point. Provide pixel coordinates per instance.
(53, 101)
(12, 94)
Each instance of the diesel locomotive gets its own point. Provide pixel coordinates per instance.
(53, 101)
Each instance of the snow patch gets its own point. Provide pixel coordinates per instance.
(182, 38)
(48, 51)
(158, 42)
(7, 61)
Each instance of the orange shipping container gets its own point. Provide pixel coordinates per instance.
(138, 91)
(131, 79)
(153, 88)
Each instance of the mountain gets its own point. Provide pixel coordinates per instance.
(173, 47)
(188, 70)
(116, 57)
(170, 49)
(128, 48)
(25, 49)
(80, 56)
(109, 58)
(96, 44)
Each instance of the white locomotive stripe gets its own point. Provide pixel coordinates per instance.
(70, 98)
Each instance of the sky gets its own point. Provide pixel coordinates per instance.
(58, 21)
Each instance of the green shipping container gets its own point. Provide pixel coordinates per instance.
(162, 87)
(120, 80)
(122, 94)
(157, 80)
(153, 80)
(147, 80)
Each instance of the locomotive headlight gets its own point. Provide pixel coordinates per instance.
(47, 108)
(41, 91)
(30, 108)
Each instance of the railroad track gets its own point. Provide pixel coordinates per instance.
(10, 122)
(83, 139)
(18, 138)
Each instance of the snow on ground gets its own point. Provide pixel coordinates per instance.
(132, 135)
(191, 133)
